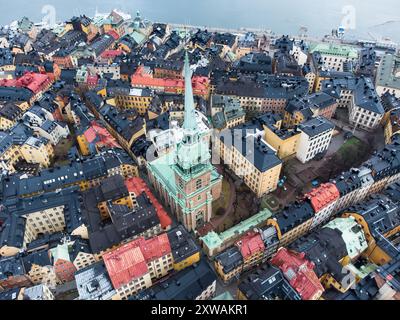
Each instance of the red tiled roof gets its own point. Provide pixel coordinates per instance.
(250, 244)
(92, 80)
(299, 272)
(139, 78)
(130, 261)
(35, 82)
(104, 138)
(111, 54)
(156, 247)
(113, 34)
(125, 264)
(323, 196)
(138, 186)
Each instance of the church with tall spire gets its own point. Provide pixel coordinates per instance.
(185, 177)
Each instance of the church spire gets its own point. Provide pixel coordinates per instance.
(189, 123)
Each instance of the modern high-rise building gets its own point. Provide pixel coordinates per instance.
(185, 178)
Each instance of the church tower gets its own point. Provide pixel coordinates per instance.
(193, 170)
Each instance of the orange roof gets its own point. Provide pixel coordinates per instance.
(250, 244)
(139, 78)
(104, 138)
(111, 54)
(138, 186)
(323, 196)
(299, 272)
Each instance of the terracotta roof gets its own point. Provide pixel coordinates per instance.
(130, 261)
(111, 54)
(250, 244)
(35, 82)
(323, 196)
(200, 84)
(104, 137)
(124, 264)
(299, 272)
(138, 186)
(155, 248)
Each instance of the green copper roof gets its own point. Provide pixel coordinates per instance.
(189, 160)
(353, 236)
(138, 37)
(213, 240)
(164, 168)
(60, 252)
(336, 50)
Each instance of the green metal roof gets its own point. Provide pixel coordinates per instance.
(213, 240)
(334, 49)
(354, 238)
(60, 253)
(138, 37)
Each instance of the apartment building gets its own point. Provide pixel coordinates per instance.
(335, 56)
(323, 200)
(138, 99)
(387, 79)
(315, 138)
(359, 96)
(265, 93)
(246, 153)
(38, 150)
(197, 282)
(133, 266)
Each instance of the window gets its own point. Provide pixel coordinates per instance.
(199, 184)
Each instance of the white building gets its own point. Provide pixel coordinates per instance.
(335, 56)
(300, 53)
(36, 116)
(359, 96)
(315, 138)
(113, 69)
(52, 131)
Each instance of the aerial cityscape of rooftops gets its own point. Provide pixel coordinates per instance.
(143, 160)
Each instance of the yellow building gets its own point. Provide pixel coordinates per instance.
(292, 223)
(185, 252)
(294, 119)
(378, 218)
(38, 150)
(139, 99)
(10, 113)
(9, 153)
(392, 125)
(235, 264)
(285, 142)
(250, 158)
